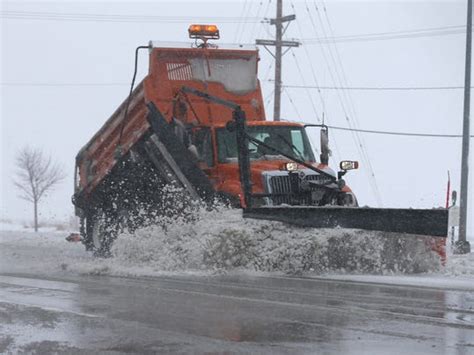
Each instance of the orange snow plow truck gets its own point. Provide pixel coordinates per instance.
(197, 123)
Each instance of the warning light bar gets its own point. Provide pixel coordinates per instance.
(203, 32)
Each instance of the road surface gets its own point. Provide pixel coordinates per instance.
(230, 313)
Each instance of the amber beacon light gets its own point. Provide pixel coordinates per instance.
(203, 31)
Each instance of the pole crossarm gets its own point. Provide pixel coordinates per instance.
(287, 18)
(270, 42)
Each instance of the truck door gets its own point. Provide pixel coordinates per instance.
(201, 138)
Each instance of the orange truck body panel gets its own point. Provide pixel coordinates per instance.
(169, 71)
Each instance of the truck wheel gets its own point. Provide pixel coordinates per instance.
(99, 234)
(85, 234)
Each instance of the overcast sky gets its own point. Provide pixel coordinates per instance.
(65, 67)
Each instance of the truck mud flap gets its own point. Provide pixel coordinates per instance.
(432, 222)
(164, 147)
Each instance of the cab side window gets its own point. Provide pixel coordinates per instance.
(202, 139)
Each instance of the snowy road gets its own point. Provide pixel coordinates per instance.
(56, 298)
(230, 313)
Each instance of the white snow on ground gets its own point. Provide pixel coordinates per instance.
(457, 274)
(222, 241)
(9, 226)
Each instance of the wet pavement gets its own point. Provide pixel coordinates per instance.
(252, 314)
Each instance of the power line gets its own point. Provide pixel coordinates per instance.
(352, 105)
(321, 117)
(346, 96)
(252, 30)
(324, 108)
(317, 41)
(417, 30)
(307, 90)
(264, 16)
(361, 88)
(408, 134)
(428, 32)
(313, 71)
(238, 32)
(267, 74)
(54, 16)
(64, 84)
(295, 108)
(375, 88)
(268, 99)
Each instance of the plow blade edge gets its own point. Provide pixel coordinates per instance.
(432, 222)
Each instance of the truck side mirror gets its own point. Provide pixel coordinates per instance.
(325, 151)
(348, 165)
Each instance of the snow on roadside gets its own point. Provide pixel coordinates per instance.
(42, 252)
(232, 243)
(6, 226)
(221, 241)
(460, 265)
(458, 274)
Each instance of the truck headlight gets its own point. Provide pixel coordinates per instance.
(347, 199)
(290, 166)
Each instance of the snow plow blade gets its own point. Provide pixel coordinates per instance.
(432, 222)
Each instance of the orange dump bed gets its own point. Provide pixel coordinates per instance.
(227, 73)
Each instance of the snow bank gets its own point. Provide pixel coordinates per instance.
(458, 274)
(460, 265)
(42, 252)
(220, 240)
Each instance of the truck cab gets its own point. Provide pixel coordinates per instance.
(272, 171)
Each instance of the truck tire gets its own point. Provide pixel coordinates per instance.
(100, 233)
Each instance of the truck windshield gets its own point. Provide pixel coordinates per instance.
(289, 140)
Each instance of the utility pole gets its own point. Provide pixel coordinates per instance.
(279, 43)
(278, 60)
(462, 245)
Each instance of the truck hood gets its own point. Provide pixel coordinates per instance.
(259, 167)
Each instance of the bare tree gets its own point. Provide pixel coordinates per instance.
(37, 175)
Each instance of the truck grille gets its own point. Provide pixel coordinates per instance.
(281, 184)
